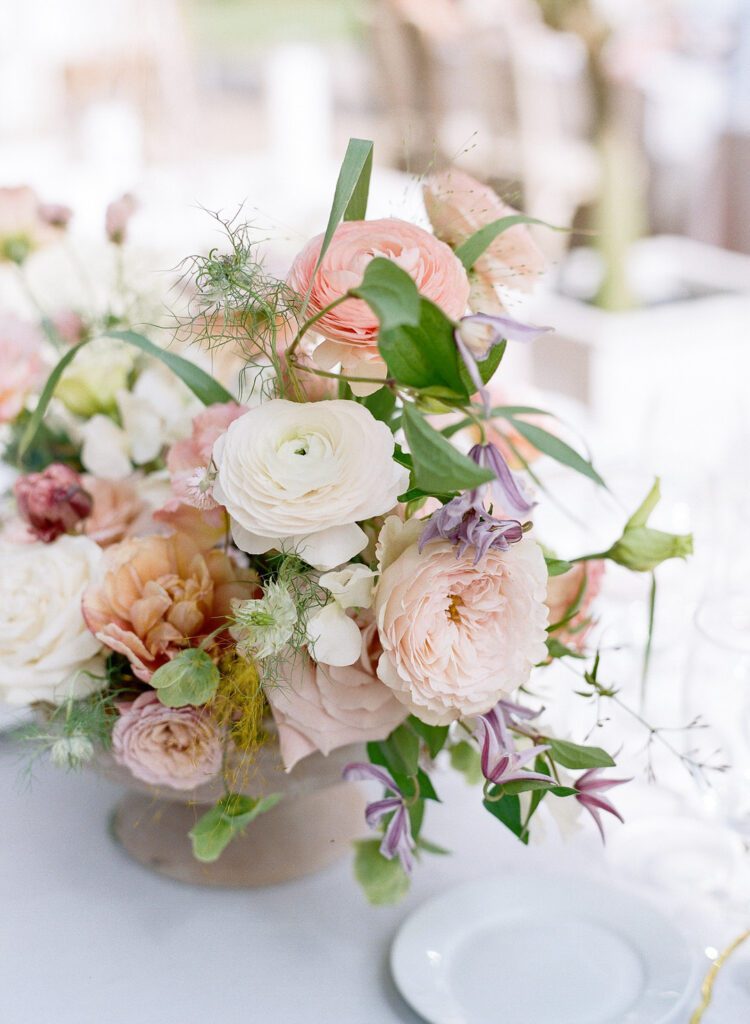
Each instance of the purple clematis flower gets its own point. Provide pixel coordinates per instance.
(397, 841)
(590, 789)
(465, 522)
(501, 762)
(478, 334)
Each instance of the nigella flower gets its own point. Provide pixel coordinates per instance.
(478, 334)
(397, 841)
(501, 762)
(465, 522)
(590, 789)
(262, 627)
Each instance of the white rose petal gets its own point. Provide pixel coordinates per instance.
(300, 476)
(334, 638)
(46, 649)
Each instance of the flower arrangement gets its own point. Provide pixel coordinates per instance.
(336, 549)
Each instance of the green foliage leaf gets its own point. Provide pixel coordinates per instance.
(470, 250)
(381, 404)
(434, 736)
(213, 832)
(351, 192)
(430, 847)
(384, 881)
(556, 649)
(642, 514)
(189, 678)
(555, 448)
(557, 566)
(575, 756)
(391, 294)
(424, 355)
(426, 788)
(508, 811)
(465, 758)
(438, 466)
(534, 785)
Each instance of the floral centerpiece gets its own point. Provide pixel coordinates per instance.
(336, 549)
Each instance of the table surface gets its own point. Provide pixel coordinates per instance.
(89, 936)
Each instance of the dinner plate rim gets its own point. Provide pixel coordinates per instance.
(517, 877)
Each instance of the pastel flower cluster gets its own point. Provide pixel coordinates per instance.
(203, 565)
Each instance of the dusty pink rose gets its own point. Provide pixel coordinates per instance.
(562, 593)
(21, 366)
(117, 218)
(23, 225)
(438, 274)
(458, 205)
(158, 595)
(457, 636)
(52, 502)
(319, 707)
(177, 747)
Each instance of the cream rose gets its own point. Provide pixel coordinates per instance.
(300, 476)
(46, 648)
(457, 636)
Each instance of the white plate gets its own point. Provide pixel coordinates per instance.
(542, 949)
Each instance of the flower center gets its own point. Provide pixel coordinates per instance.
(452, 610)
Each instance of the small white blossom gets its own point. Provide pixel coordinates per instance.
(263, 627)
(199, 489)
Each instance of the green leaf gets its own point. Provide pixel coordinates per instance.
(426, 788)
(391, 294)
(381, 404)
(200, 383)
(429, 847)
(465, 758)
(434, 736)
(351, 192)
(508, 811)
(557, 566)
(572, 755)
(189, 678)
(438, 466)
(384, 881)
(415, 811)
(556, 649)
(405, 745)
(489, 365)
(533, 785)
(555, 448)
(213, 832)
(424, 354)
(641, 515)
(470, 250)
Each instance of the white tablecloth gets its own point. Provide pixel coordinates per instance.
(89, 937)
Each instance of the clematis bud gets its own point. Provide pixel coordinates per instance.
(118, 216)
(641, 548)
(52, 502)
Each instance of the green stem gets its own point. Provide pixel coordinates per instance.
(313, 320)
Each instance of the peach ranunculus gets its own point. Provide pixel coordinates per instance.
(322, 707)
(157, 595)
(177, 747)
(458, 206)
(457, 636)
(352, 327)
(21, 366)
(583, 581)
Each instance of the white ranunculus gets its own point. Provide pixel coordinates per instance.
(299, 476)
(46, 649)
(350, 587)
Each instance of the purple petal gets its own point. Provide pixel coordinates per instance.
(489, 456)
(473, 370)
(506, 328)
(360, 771)
(378, 809)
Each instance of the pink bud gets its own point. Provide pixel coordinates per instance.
(55, 215)
(117, 217)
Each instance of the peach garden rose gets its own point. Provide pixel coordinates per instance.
(457, 635)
